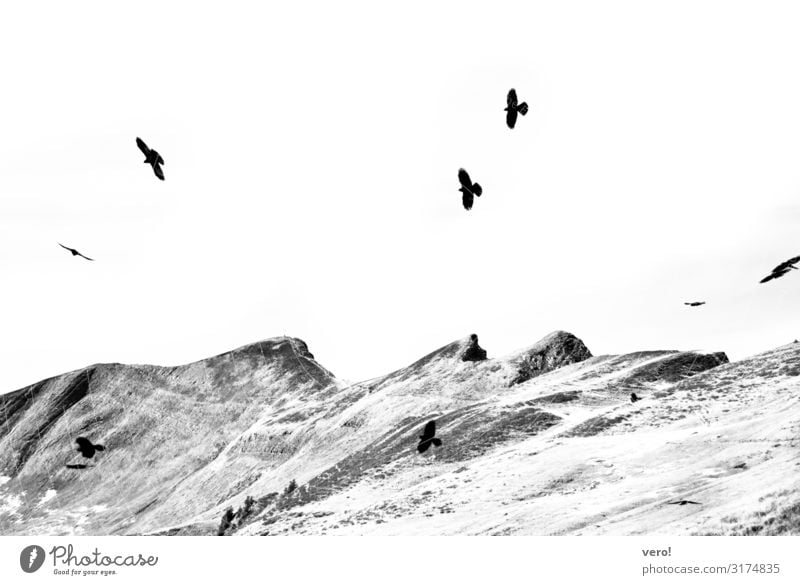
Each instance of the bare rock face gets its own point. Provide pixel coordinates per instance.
(677, 367)
(473, 352)
(554, 351)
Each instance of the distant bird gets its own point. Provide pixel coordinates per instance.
(86, 448)
(152, 158)
(76, 466)
(428, 436)
(468, 189)
(684, 502)
(782, 269)
(740, 466)
(634, 398)
(512, 108)
(74, 252)
(695, 303)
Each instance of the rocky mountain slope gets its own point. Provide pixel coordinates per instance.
(543, 441)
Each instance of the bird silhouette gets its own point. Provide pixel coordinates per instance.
(740, 466)
(87, 448)
(76, 466)
(695, 303)
(512, 108)
(468, 189)
(781, 269)
(74, 252)
(152, 158)
(428, 437)
(684, 502)
(634, 398)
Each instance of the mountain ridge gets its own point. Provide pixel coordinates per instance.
(184, 443)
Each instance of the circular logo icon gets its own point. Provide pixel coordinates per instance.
(31, 558)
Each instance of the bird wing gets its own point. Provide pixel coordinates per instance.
(82, 256)
(466, 199)
(463, 177)
(430, 430)
(511, 98)
(158, 171)
(142, 146)
(781, 266)
(511, 117)
(63, 246)
(83, 442)
(775, 274)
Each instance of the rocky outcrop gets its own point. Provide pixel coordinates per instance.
(473, 352)
(676, 367)
(554, 351)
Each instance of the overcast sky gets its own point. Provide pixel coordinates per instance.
(311, 187)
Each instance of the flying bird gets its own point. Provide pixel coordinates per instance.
(634, 398)
(428, 436)
(684, 502)
(695, 303)
(86, 448)
(152, 158)
(468, 189)
(512, 108)
(782, 269)
(74, 252)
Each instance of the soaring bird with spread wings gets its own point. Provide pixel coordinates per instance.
(75, 252)
(695, 303)
(468, 189)
(152, 158)
(428, 437)
(782, 269)
(512, 108)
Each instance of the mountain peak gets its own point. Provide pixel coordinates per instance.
(557, 349)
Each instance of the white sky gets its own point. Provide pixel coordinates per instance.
(311, 158)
